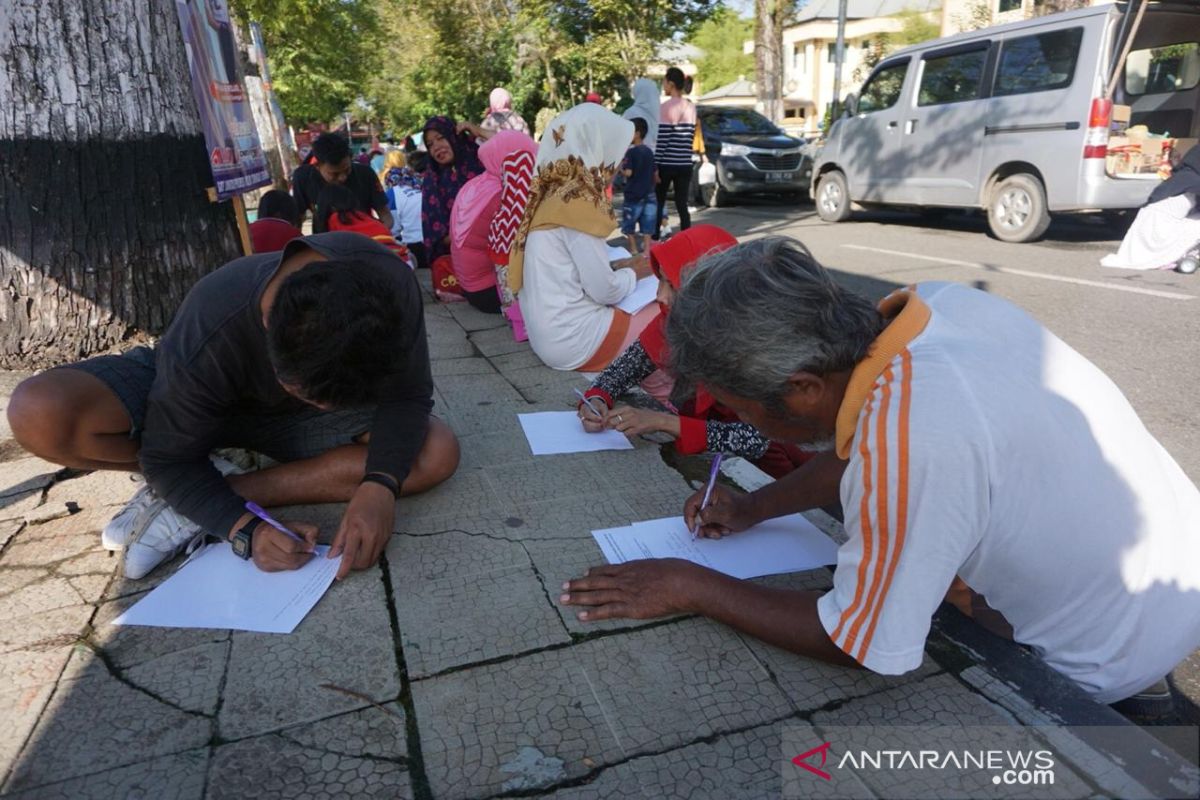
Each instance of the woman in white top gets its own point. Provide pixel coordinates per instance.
(559, 265)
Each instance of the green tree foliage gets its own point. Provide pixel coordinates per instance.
(320, 51)
(916, 28)
(721, 38)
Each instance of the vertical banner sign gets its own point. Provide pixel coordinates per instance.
(264, 72)
(234, 152)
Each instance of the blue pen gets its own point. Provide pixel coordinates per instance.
(587, 403)
(712, 481)
(257, 510)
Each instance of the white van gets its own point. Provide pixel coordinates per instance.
(1016, 119)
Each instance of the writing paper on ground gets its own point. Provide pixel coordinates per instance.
(783, 544)
(216, 589)
(643, 294)
(550, 432)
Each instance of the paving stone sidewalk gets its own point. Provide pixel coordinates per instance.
(449, 670)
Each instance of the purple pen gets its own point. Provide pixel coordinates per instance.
(257, 510)
(712, 481)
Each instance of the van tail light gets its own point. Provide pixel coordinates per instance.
(1095, 143)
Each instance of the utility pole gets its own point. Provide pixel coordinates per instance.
(839, 60)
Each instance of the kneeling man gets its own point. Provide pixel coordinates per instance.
(314, 356)
(977, 458)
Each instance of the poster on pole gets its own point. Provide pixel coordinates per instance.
(282, 133)
(234, 151)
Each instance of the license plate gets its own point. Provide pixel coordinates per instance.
(773, 177)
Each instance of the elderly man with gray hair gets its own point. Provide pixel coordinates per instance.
(977, 457)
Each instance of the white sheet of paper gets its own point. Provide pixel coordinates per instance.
(617, 253)
(552, 432)
(643, 294)
(216, 589)
(784, 544)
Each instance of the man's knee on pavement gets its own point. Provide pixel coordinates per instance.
(43, 418)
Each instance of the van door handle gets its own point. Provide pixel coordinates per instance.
(892, 125)
(910, 126)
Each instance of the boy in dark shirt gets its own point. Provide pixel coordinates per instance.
(333, 166)
(640, 208)
(314, 356)
(276, 224)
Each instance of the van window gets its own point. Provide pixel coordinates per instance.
(1038, 63)
(1155, 70)
(883, 89)
(952, 78)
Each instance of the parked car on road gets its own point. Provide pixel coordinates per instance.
(1016, 119)
(751, 154)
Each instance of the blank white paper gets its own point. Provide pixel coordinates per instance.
(552, 432)
(216, 589)
(643, 294)
(783, 544)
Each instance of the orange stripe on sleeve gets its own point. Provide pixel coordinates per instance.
(882, 490)
(901, 492)
(865, 524)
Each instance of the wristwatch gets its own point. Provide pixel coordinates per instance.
(243, 540)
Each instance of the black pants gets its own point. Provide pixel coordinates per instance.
(486, 300)
(418, 251)
(681, 179)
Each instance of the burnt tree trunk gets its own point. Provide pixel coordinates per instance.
(104, 219)
(770, 16)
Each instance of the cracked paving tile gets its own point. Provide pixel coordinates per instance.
(482, 450)
(58, 540)
(560, 561)
(603, 700)
(26, 591)
(462, 599)
(572, 518)
(175, 777)
(21, 710)
(16, 506)
(8, 530)
(25, 475)
(96, 489)
(376, 732)
(190, 679)
(101, 720)
(444, 367)
(274, 681)
(551, 478)
(497, 341)
(521, 359)
(464, 492)
(472, 319)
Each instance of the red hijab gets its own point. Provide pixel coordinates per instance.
(669, 259)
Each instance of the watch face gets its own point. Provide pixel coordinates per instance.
(241, 546)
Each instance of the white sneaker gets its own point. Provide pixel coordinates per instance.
(119, 530)
(159, 532)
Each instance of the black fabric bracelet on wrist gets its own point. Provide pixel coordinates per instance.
(382, 480)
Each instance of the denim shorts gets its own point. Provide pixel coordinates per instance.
(303, 433)
(639, 213)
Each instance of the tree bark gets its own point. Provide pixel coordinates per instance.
(770, 16)
(104, 224)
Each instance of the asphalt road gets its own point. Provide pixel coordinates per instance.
(1141, 328)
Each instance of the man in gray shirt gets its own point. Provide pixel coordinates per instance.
(314, 356)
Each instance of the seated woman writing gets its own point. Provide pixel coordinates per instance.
(559, 265)
(697, 423)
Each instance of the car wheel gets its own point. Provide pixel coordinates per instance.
(714, 196)
(833, 197)
(1017, 209)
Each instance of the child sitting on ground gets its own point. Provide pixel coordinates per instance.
(402, 185)
(698, 423)
(338, 210)
(641, 205)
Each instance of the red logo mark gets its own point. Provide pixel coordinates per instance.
(801, 761)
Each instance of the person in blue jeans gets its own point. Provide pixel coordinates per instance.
(640, 209)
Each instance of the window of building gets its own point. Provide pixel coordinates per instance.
(831, 53)
(882, 89)
(952, 78)
(1008, 5)
(1038, 63)
(1156, 70)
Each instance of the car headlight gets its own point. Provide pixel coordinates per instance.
(734, 150)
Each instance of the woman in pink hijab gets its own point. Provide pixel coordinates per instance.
(500, 116)
(476, 208)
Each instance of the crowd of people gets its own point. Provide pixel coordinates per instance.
(975, 458)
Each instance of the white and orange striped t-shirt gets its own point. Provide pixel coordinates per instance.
(982, 446)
